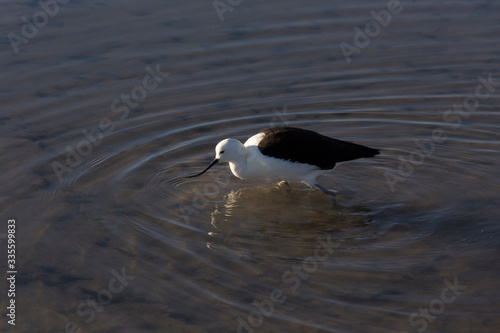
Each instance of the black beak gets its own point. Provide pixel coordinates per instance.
(208, 167)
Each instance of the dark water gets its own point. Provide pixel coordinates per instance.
(110, 104)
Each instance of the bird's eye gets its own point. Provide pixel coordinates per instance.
(222, 151)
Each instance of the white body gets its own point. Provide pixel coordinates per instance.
(247, 162)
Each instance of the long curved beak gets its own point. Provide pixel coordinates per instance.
(214, 162)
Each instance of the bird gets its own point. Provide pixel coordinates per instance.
(287, 154)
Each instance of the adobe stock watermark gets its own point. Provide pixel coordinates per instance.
(372, 29)
(201, 200)
(291, 280)
(48, 9)
(453, 117)
(103, 297)
(281, 118)
(221, 7)
(449, 294)
(120, 107)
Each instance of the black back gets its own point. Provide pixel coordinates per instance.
(308, 147)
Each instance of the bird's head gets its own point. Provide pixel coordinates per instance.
(228, 150)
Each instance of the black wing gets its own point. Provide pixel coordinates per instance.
(303, 146)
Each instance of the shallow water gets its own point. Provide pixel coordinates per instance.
(97, 139)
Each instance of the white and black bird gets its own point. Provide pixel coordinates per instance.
(287, 154)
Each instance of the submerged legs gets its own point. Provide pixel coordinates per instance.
(327, 191)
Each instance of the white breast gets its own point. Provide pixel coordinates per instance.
(259, 166)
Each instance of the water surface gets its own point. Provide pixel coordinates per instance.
(111, 104)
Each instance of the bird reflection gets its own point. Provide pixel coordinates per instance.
(273, 215)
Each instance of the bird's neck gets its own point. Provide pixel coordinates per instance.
(239, 167)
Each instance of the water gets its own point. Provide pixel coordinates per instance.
(97, 139)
